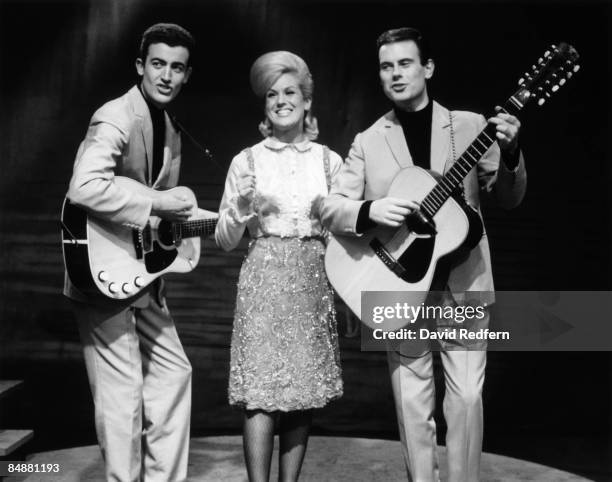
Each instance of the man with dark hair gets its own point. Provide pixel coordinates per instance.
(406, 33)
(420, 132)
(139, 374)
(169, 34)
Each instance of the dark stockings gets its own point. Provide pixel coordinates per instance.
(293, 431)
(258, 440)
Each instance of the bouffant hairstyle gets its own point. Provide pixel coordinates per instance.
(268, 68)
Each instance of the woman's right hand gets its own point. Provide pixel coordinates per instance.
(246, 189)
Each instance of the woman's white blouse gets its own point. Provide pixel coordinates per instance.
(290, 184)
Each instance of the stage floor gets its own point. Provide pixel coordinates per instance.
(339, 459)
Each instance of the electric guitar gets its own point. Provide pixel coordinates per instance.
(405, 259)
(119, 262)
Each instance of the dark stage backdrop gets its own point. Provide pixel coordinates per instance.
(61, 60)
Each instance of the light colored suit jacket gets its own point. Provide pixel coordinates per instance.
(378, 154)
(119, 142)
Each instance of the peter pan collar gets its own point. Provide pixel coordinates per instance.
(276, 145)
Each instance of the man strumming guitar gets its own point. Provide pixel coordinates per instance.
(139, 374)
(419, 131)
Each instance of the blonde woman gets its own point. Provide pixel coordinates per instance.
(284, 354)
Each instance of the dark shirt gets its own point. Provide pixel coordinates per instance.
(159, 136)
(417, 132)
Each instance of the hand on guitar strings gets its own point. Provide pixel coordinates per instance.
(246, 189)
(391, 211)
(172, 207)
(508, 127)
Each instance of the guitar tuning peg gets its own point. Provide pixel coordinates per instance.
(555, 88)
(546, 54)
(576, 68)
(521, 81)
(569, 75)
(540, 61)
(561, 82)
(541, 101)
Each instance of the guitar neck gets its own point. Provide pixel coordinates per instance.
(194, 228)
(449, 183)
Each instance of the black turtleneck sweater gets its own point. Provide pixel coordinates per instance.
(159, 136)
(417, 132)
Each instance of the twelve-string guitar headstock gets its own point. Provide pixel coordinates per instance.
(551, 72)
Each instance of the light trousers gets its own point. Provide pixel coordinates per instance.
(412, 380)
(140, 380)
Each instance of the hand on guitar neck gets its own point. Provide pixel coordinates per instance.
(507, 129)
(172, 207)
(391, 211)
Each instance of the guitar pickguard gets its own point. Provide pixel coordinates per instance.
(417, 258)
(159, 258)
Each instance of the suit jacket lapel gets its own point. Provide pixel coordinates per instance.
(170, 151)
(141, 109)
(440, 139)
(394, 135)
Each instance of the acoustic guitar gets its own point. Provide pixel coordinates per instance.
(116, 261)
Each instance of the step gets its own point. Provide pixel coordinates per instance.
(8, 385)
(13, 439)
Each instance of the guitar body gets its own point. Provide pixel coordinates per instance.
(106, 258)
(353, 266)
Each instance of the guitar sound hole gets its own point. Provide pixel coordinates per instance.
(420, 222)
(165, 234)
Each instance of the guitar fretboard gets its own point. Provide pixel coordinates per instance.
(196, 227)
(449, 183)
